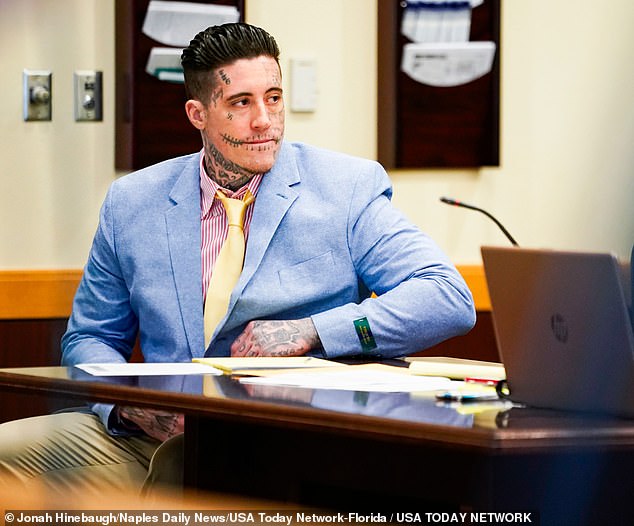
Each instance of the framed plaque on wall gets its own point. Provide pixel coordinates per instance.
(438, 84)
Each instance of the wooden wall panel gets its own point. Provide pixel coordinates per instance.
(30, 343)
(45, 294)
(34, 294)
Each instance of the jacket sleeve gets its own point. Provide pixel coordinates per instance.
(102, 326)
(420, 297)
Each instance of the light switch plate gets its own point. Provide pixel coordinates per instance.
(88, 95)
(37, 95)
(303, 85)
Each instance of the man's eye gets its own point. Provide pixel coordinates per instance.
(240, 102)
(274, 99)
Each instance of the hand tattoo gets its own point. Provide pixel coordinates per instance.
(277, 338)
(157, 424)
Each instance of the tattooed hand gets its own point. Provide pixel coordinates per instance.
(156, 423)
(276, 338)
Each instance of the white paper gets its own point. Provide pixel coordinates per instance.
(146, 369)
(165, 63)
(363, 380)
(437, 20)
(176, 23)
(447, 64)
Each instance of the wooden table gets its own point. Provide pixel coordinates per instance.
(393, 452)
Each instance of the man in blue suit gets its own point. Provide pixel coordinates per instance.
(321, 236)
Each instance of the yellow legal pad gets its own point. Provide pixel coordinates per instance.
(239, 365)
(456, 368)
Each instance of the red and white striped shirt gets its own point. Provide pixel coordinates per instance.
(213, 218)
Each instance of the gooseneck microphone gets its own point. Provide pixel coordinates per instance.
(455, 202)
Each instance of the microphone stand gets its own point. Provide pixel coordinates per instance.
(455, 202)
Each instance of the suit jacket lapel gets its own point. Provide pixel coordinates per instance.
(275, 196)
(183, 236)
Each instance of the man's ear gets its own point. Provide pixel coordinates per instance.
(196, 113)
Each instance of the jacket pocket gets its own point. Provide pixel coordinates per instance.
(312, 270)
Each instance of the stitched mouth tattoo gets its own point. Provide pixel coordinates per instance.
(258, 143)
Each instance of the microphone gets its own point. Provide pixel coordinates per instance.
(455, 202)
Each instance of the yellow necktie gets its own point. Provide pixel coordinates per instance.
(228, 266)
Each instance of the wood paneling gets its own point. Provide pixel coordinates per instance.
(476, 281)
(30, 343)
(44, 294)
(37, 294)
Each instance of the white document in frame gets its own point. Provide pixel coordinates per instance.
(445, 64)
(175, 23)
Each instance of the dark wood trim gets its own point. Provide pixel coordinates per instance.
(386, 84)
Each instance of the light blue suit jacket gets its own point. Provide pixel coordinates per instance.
(323, 235)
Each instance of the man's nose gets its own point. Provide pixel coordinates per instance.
(261, 119)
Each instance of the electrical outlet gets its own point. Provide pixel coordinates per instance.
(88, 96)
(38, 103)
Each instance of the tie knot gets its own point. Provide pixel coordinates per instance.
(235, 208)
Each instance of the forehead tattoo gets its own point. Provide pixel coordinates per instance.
(224, 77)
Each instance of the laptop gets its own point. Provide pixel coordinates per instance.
(563, 328)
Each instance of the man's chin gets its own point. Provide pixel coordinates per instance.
(261, 166)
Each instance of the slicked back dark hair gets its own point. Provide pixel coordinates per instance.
(219, 46)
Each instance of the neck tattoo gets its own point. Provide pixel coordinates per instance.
(224, 172)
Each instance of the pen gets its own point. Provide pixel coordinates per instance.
(451, 396)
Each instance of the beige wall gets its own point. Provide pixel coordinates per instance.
(53, 175)
(567, 174)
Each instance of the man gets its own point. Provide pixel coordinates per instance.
(321, 235)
